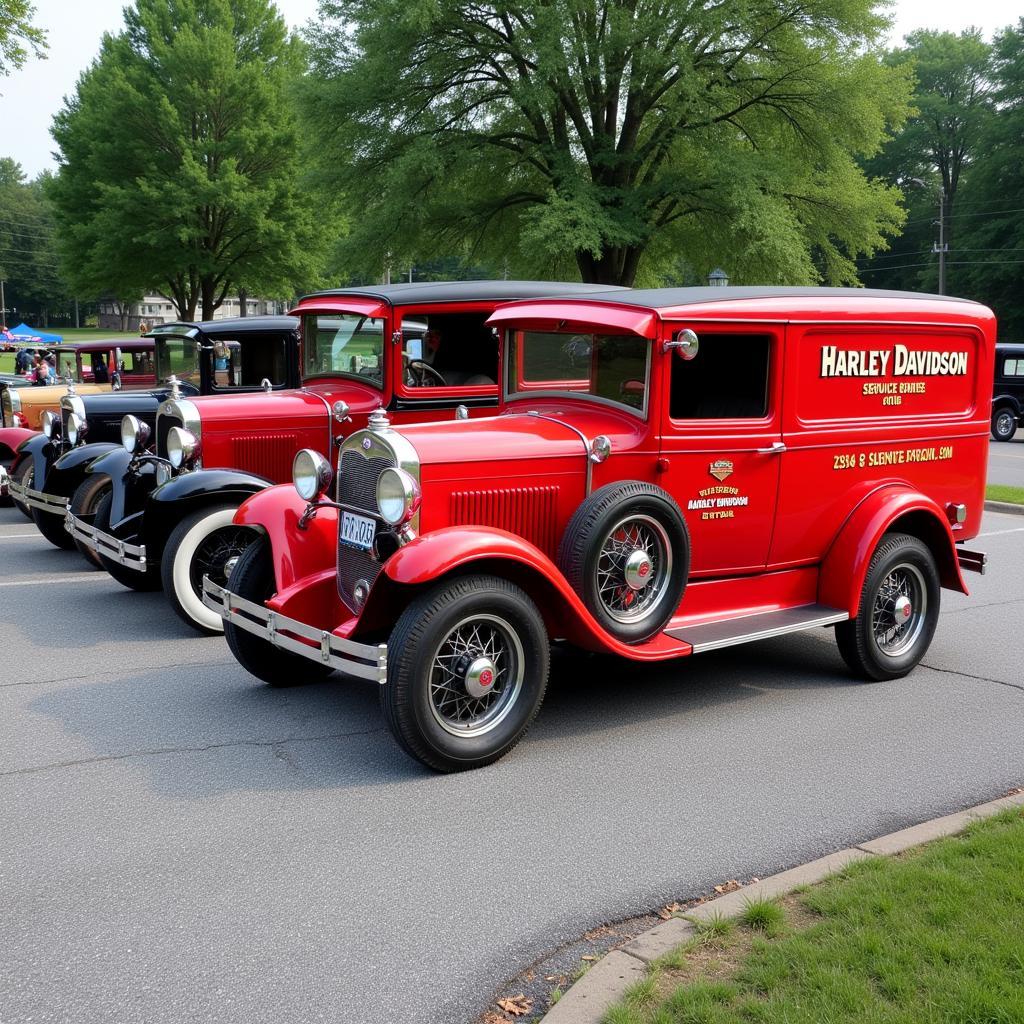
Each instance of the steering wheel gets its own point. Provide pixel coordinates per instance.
(422, 375)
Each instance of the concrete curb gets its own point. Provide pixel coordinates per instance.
(607, 981)
(1005, 506)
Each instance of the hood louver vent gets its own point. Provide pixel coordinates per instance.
(529, 512)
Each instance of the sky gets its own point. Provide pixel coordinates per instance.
(30, 97)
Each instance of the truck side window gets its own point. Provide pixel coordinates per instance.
(727, 380)
(1013, 368)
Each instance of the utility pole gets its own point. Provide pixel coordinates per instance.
(941, 247)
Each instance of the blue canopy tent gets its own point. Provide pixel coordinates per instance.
(32, 337)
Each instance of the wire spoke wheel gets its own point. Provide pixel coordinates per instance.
(476, 675)
(214, 552)
(899, 610)
(633, 567)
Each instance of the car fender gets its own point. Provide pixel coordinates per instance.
(1009, 401)
(181, 496)
(11, 439)
(894, 507)
(68, 472)
(298, 553)
(131, 482)
(43, 453)
(456, 549)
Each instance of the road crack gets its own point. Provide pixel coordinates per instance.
(157, 751)
(91, 675)
(967, 675)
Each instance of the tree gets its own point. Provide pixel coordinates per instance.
(18, 35)
(178, 169)
(931, 155)
(613, 135)
(991, 235)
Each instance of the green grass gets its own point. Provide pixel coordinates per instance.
(932, 936)
(763, 915)
(1002, 492)
(71, 334)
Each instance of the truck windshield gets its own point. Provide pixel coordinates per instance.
(607, 367)
(343, 343)
(178, 355)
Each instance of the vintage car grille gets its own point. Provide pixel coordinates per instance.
(65, 415)
(268, 455)
(164, 422)
(357, 490)
(6, 407)
(529, 512)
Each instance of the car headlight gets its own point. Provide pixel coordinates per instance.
(50, 424)
(398, 496)
(311, 474)
(134, 434)
(76, 428)
(182, 447)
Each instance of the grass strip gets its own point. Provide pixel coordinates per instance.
(1003, 492)
(933, 935)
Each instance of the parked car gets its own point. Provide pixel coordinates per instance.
(93, 367)
(230, 356)
(421, 350)
(726, 465)
(1008, 392)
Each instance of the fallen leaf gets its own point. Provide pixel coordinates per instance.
(516, 1005)
(666, 912)
(731, 886)
(490, 1017)
(588, 957)
(600, 932)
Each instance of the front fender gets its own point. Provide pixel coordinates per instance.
(183, 495)
(68, 472)
(132, 481)
(11, 439)
(43, 453)
(890, 507)
(298, 554)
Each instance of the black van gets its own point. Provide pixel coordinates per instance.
(1008, 394)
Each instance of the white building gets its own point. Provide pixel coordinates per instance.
(158, 309)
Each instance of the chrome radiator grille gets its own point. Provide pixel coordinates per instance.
(6, 407)
(357, 490)
(164, 422)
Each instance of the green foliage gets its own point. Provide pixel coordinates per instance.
(763, 915)
(18, 35)
(28, 256)
(614, 140)
(178, 159)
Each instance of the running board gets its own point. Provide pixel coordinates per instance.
(709, 636)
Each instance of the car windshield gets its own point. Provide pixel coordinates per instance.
(343, 343)
(67, 365)
(606, 367)
(177, 354)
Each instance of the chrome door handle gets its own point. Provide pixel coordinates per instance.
(777, 448)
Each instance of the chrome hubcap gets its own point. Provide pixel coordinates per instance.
(1005, 423)
(476, 675)
(898, 611)
(633, 568)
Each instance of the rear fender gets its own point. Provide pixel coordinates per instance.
(457, 550)
(10, 440)
(68, 472)
(895, 508)
(298, 553)
(180, 497)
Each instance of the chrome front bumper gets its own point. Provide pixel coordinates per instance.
(37, 499)
(367, 661)
(131, 555)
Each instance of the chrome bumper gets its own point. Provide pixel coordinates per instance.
(972, 561)
(367, 661)
(131, 555)
(37, 499)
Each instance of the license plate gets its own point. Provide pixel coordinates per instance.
(358, 531)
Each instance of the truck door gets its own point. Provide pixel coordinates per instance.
(722, 441)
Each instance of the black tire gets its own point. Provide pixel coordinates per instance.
(200, 545)
(1004, 423)
(144, 582)
(84, 503)
(897, 557)
(425, 729)
(584, 553)
(23, 475)
(253, 579)
(6, 501)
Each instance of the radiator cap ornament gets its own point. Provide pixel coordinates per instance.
(378, 421)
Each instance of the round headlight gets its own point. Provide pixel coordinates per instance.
(134, 434)
(76, 428)
(311, 474)
(398, 496)
(182, 446)
(49, 422)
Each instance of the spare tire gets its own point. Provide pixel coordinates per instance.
(626, 552)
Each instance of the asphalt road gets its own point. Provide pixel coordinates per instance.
(178, 842)
(1006, 461)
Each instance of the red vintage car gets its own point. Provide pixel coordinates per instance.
(422, 350)
(673, 472)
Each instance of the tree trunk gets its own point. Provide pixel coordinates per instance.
(210, 303)
(243, 302)
(616, 266)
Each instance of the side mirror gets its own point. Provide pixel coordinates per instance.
(686, 344)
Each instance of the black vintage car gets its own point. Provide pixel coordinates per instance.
(1008, 392)
(213, 357)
